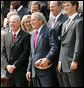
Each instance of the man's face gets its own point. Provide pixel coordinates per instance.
(35, 22)
(15, 4)
(1, 2)
(69, 8)
(14, 24)
(35, 8)
(54, 8)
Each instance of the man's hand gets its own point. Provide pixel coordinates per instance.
(28, 76)
(45, 62)
(59, 66)
(73, 65)
(10, 68)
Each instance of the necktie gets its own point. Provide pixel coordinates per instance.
(35, 38)
(53, 22)
(14, 37)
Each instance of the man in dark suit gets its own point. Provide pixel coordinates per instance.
(37, 6)
(55, 9)
(21, 10)
(71, 53)
(60, 18)
(46, 49)
(4, 10)
(16, 49)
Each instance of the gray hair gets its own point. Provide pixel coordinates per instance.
(40, 16)
(16, 16)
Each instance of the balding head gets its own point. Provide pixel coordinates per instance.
(15, 17)
(14, 23)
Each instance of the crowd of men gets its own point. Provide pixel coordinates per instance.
(55, 43)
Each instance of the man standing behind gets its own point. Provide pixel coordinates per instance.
(45, 49)
(71, 53)
(15, 49)
(4, 10)
(59, 18)
(20, 9)
(56, 23)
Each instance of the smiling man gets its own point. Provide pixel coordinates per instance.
(71, 53)
(44, 45)
(15, 49)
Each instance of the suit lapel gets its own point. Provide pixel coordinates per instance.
(21, 10)
(69, 27)
(39, 38)
(17, 38)
(56, 24)
(58, 21)
(32, 42)
(9, 39)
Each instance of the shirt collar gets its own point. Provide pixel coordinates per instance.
(39, 29)
(72, 17)
(16, 32)
(57, 16)
(19, 8)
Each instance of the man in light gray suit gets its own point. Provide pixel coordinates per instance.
(60, 18)
(46, 49)
(71, 53)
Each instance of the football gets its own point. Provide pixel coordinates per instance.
(38, 62)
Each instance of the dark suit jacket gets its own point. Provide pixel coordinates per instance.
(17, 53)
(47, 47)
(72, 44)
(4, 11)
(81, 15)
(58, 25)
(23, 11)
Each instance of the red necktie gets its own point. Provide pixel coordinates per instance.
(35, 38)
(14, 37)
